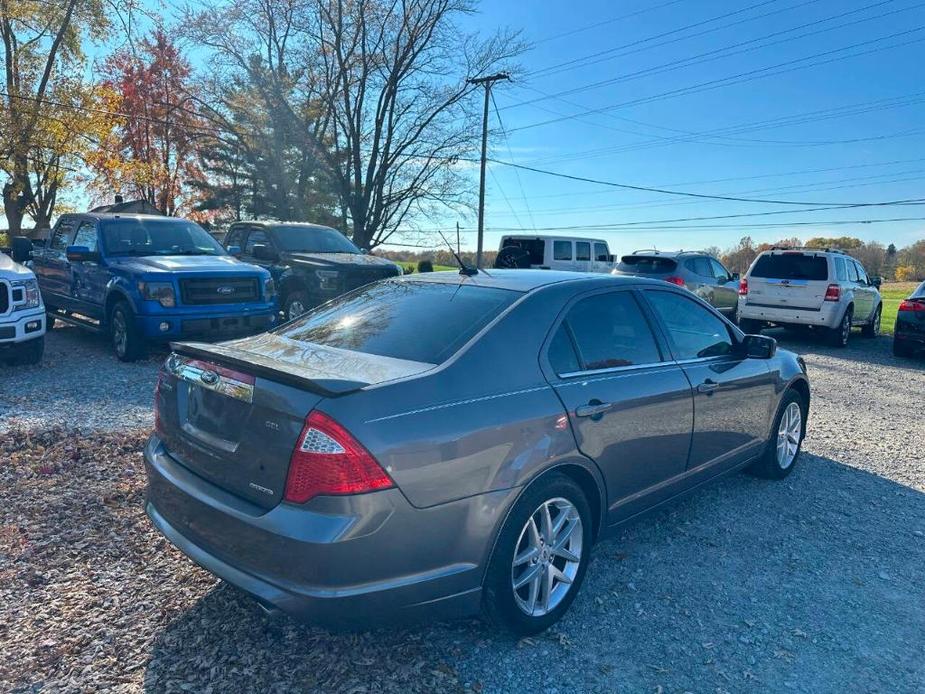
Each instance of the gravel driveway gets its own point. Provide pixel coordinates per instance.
(813, 584)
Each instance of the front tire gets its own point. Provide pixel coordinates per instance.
(783, 448)
(295, 304)
(838, 336)
(540, 558)
(872, 329)
(127, 341)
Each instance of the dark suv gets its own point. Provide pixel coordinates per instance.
(309, 262)
(699, 272)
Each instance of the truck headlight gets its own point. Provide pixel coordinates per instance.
(269, 288)
(327, 278)
(161, 292)
(31, 296)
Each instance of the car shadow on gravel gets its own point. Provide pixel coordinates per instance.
(874, 350)
(812, 584)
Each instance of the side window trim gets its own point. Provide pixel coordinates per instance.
(661, 343)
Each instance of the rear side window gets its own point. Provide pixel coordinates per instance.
(535, 247)
(646, 265)
(418, 321)
(608, 330)
(791, 266)
(841, 272)
(562, 250)
(694, 331)
(62, 236)
(600, 252)
(699, 266)
(582, 250)
(562, 355)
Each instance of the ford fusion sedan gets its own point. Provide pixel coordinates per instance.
(441, 445)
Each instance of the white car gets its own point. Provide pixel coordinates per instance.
(573, 253)
(825, 289)
(22, 314)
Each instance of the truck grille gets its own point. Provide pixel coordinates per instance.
(219, 290)
(4, 296)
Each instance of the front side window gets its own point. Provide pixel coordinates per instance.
(256, 236)
(695, 332)
(609, 330)
(86, 236)
(853, 271)
(600, 253)
(562, 250)
(582, 250)
(862, 274)
(143, 236)
(417, 321)
(719, 272)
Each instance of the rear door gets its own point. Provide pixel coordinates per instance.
(789, 279)
(54, 270)
(90, 276)
(733, 395)
(629, 405)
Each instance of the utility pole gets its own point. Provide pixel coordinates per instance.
(486, 82)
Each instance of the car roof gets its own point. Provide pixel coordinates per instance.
(124, 215)
(526, 280)
(551, 237)
(269, 224)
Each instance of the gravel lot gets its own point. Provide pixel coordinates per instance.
(812, 584)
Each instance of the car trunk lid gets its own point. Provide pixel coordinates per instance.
(789, 279)
(232, 413)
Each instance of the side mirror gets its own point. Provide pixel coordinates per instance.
(759, 346)
(22, 249)
(234, 250)
(78, 254)
(876, 281)
(734, 277)
(262, 251)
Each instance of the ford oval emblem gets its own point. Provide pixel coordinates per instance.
(210, 378)
(225, 290)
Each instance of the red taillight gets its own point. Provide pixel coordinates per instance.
(675, 280)
(833, 293)
(328, 460)
(743, 287)
(911, 305)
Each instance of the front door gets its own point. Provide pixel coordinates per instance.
(629, 405)
(726, 289)
(864, 291)
(733, 394)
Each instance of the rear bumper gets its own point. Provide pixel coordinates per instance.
(20, 326)
(337, 561)
(207, 325)
(828, 316)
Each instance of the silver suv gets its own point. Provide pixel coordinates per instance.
(824, 289)
(697, 271)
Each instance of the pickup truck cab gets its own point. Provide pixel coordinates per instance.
(22, 315)
(310, 263)
(146, 278)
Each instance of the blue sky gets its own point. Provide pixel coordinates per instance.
(867, 148)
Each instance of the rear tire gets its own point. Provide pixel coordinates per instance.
(872, 329)
(750, 326)
(838, 336)
(545, 557)
(127, 341)
(784, 446)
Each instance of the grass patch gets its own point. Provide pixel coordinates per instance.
(893, 293)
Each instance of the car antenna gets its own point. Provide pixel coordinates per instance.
(464, 269)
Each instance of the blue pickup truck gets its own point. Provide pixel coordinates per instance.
(145, 278)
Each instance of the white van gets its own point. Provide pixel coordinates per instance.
(573, 253)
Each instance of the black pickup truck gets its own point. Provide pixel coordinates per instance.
(310, 263)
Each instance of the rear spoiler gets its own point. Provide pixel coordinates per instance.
(275, 370)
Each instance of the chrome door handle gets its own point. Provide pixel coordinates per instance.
(592, 409)
(707, 387)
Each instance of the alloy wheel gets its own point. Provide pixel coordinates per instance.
(788, 435)
(119, 332)
(547, 557)
(296, 309)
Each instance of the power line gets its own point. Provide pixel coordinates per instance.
(748, 76)
(595, 25)
(510, 153)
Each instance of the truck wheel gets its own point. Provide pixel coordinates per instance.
(295, 305)
(29, 353)
(872, 329)
(126, 340)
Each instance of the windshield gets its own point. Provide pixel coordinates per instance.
(157, 236)
(646, 264)
(312, 239)
(791, 266)
(380, 317)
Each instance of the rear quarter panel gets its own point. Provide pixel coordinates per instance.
(486, 421)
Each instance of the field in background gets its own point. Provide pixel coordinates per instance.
(893, 293)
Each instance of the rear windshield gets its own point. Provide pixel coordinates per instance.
(646, 265)
(419, 321)
(791, 266)
(157, 236)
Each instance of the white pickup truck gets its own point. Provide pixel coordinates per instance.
(22, 314)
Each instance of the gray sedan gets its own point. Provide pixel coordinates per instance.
(441, 445)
